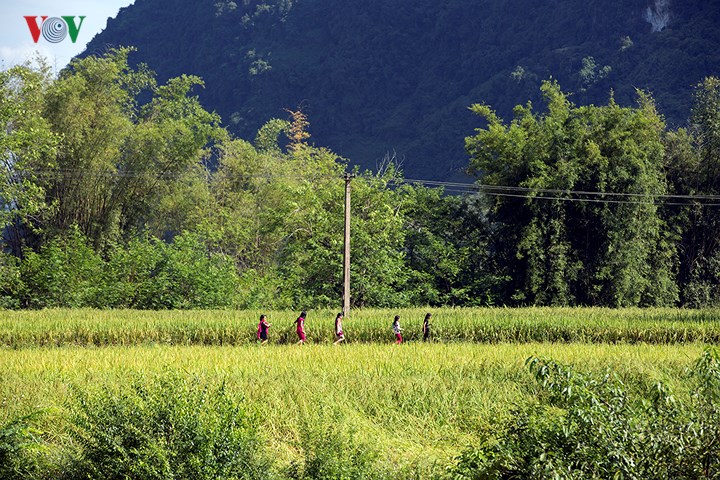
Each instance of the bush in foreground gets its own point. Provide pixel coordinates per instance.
(584, 426)
(165, 428)
(332, 450)
(19, 449)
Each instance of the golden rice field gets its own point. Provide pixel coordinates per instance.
(19, 329)
(419, 404)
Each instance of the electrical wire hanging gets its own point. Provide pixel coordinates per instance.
(502, 191)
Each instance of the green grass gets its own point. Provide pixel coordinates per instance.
(19, 329)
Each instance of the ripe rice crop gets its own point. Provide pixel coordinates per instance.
(19, 329)
(416, 404)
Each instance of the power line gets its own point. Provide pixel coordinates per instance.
(557, 191)
(506, 191)
(511, 192)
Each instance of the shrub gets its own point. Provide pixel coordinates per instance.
(165, 428)
(333, 450)
(145, 274)
(195, 278)
(66, 272)
(18, 448)
(589, 426)
(11, 284)
(150, 274)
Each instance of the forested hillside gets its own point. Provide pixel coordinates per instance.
(394, 75)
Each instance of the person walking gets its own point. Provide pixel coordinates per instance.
(426, 327)
(396, 329)
(300, 329)
(340, 337)
(263, 327)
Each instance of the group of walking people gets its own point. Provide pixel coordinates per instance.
(397, 330)
(264, 326)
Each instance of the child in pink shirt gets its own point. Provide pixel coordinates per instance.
(339, 329)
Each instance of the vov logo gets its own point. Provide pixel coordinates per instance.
(54, 29)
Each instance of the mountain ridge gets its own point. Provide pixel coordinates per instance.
(395, 76)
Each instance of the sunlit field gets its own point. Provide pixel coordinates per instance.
(419, 404)
(229, 327)
(416, 407)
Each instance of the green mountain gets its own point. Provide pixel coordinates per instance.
(383, 76)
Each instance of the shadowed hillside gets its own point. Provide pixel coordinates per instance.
(394, 75)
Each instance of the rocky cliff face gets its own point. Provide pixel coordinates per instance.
(382, 76)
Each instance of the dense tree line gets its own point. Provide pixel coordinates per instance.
(118, 191)
(651, 241)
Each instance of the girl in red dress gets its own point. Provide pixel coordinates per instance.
(300, 330)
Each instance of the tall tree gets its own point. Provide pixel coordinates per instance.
(116, 157)
(279, 213)
(694, 169)
(562, 248)
(27, 147)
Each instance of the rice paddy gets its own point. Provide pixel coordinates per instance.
(418, 404)
(82, 327)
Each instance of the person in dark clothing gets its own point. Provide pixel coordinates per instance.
(426, 327)
(263, 327)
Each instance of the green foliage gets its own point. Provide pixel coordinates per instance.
(27, 144)
(116, 158)
(280, 216)
(333, 450)
(150, 274)
(565, 249)
(591, 72)
(147, 274)
(191, 278)
(121, 162)
(410, 409)
(165, 427)
(377, 230)
(19, 457)
(66, 272)
(11, 284)
(625, 43)
(312, 259)
(446, 246)
(266, 140)
(703, 431)
(695, 167)
(589, 426)
(703, 287)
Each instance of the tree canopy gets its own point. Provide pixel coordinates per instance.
(118, 191)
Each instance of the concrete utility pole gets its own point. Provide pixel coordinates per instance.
(346, 256)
